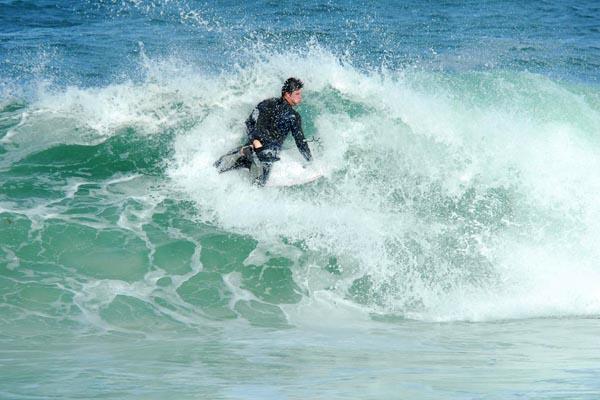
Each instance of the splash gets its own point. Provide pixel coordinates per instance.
(447, 197)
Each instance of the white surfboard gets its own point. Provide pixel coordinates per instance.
(291, 173)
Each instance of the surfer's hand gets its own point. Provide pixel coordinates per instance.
(256, 144)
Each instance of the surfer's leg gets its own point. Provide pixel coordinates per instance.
(266, 172)
(256, 170)
(259, 171)
(232, 160)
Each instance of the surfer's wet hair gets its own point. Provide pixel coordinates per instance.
(291, 85)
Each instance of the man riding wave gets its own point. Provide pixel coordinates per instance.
(267, 127)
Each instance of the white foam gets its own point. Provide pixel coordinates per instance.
(413, 135)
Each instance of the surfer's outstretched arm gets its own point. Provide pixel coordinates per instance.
(298, 135)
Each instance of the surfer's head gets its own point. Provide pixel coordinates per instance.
(292, 91)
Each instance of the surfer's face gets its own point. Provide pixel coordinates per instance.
(294, 98)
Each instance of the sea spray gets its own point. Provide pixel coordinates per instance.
(431, 187)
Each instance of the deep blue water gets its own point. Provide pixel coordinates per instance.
(95, 43)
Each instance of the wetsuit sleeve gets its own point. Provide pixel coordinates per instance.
(251, 125)
(298, 135)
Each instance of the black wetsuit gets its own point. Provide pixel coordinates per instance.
(270, 123)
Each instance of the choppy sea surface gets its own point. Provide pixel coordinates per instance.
(449, 252)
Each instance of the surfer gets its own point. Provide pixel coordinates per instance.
(267, 127)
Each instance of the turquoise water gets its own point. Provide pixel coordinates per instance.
(449, 252)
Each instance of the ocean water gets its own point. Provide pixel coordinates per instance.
(449, 252)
